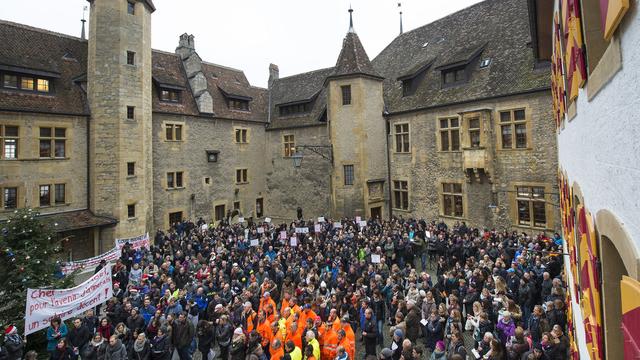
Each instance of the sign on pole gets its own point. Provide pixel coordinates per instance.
(137, 242)
(90, 263)
(44, 304)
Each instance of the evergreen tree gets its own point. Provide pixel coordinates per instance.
(29, 258)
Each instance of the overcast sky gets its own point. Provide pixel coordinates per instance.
(297, 35)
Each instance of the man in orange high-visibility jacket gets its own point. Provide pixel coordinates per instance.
(285, 304)
(330, 341)
(264, 329)
(272, 314)
(307, 313)
(344, 322)
(276, 350)
(334, 320)
(249, 318)
(293, 304)
(295, 334)
(349, 347)
(266, 300)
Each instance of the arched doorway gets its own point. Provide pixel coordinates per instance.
(612, 272)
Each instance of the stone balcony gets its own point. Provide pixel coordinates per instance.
(475, 162)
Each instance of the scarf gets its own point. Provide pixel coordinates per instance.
(139, 346)
(94, 344)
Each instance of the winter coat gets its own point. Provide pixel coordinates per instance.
(144, 354)
(116, 352)
(436, 355)
(413, 324)
(223, 334)
(92, 352)
(205, 338)
(62, 354)
(53, 338)
(433, 332)
(160, 348)
(182, 334)
(15, 346)
(505, 330)
(79, 337)
(237, 350)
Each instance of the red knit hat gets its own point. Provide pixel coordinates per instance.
(10, 329)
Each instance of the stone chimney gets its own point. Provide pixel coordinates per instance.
(186, 46)
(192, 64)
(274, 74)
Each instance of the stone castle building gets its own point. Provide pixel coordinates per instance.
(110, 138)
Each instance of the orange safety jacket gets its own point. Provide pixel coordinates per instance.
(328, 351)
(349, 347)
(276, 354)
(264, 329)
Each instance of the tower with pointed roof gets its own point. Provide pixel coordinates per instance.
(119, 98)
(356, 125)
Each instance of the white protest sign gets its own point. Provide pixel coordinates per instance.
(362, 223)
(137, 242)
(358, 218)
(298, 230)
(337, 225)
(90, 263)
(428, 233)
(255, 242)
(44, 304)
(241, 219)
(260, 230)
(375, 258)
(304, 230)
(283, 235)
(316, 228)
(294, 241)
(267, 220)
(321, 219)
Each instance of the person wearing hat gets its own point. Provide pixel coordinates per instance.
(13, 343)
(396, 343)
(249, 317)
(385, 354)
(439, 351)
(265, 301)
(238, 347)
(223, 333)
(505, 327)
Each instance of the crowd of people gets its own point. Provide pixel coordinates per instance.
(387, 290)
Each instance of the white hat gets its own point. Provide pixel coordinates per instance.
(238, 331)
(323, 284)
(423, 293)
(248, 303)
(218, 306)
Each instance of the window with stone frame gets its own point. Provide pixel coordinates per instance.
(25, 82)
(53, 142)
(241, 136)
(131, 8)
(402, 138)
(452, 204)
(348, 174)
(9, 198)
(242, 176)
(289, 144)
(474, 132)
(131, 211)
(346, 94)
(60, 195)
(131, 58)
(45, 195)
(175, 180)
(531, 204)
(9, 142)
(449, 133)
(169, 95)
(239, 104)
(173, 132)
(401, 194)
(513, 129)
(455, 76)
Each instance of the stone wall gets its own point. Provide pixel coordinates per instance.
(426, 167)
(113, 85)
(197, 198)
(29, 171)
(307, 186)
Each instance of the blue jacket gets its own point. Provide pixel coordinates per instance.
(52, 340)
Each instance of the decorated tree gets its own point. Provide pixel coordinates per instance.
(29, 258)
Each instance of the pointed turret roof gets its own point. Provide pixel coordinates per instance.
(353, 59)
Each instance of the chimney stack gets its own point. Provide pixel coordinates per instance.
(186, 46)
(274, 74)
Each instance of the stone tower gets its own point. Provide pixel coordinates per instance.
(119, 94)
(357, 128)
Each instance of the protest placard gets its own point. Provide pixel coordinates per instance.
(375, 258)
(267, 220)
(137, 242)
(283, 235)
(358, 219)
(44, 304)
(337, 225)
(362, 223)
(321, 219)
(294, 241)
(317, 228)
(241, 219)
(260, 230)
(90, 263)
(255, 242)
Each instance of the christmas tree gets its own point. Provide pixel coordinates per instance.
(29, 258)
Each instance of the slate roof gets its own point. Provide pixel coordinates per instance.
(77, 219)
(30, 48)
(64, 58)
(305, 87)
(495, 29)
(353, 59)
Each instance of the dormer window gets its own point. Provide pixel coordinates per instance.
(237, 104)
(169, 95)
(294, 109)
(25, 82)
(454, 76)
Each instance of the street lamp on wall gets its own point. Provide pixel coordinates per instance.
(325, 151)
